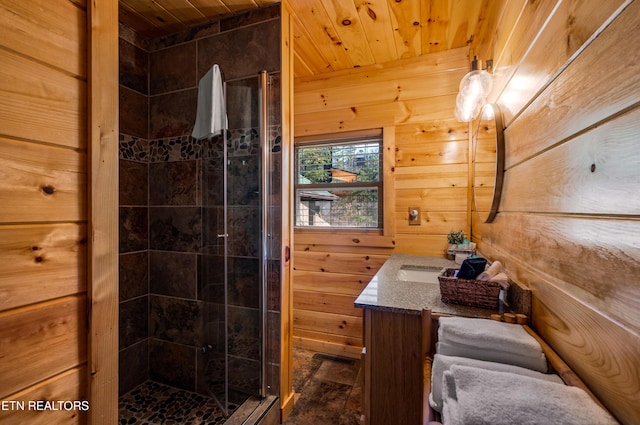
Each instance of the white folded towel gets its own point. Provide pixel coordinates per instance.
(502, 279)
(536, 361)
(442, 363)
(483, 397)
(495, 268)
(211, 116)
(489, 334)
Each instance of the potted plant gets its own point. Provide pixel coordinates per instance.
(455, 238)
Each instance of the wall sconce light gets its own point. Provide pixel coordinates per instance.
(474, 89)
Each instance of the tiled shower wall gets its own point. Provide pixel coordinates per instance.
(134, 211)
(168, 311)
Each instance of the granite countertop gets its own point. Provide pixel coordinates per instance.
(386, 292)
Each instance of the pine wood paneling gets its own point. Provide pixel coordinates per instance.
(418, 91)
(55, 328)
(455, 60)
(325, 302)
(41, 262)
(316, 341)
(348, 344)
(404, 16)
(569, 212)
(350, 29)
(596, 348)
(69, 385)
(327, 323)
(601, 351)
(59, 41)
(563, 104)
(330, 271)
(286, 291)
(327, 262)
(450, 199)
(321, 33)
(376, 92)
(340, 283)
(43, 158)
(431, 223)
(41, 182)
(562, 247)
(375, 19)
(103, 221)
(343, 239)
(432, 153)
(570, 26)
(584, 175)
(53, 103)
(424, 244)
(366, 116)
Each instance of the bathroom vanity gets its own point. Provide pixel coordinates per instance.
(393, 304)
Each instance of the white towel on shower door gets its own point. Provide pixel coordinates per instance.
(211, 117)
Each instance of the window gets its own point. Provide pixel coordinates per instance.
(339, 183)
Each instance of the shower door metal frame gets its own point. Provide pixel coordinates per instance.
(266, 236)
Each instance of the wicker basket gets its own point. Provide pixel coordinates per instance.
(474, 293)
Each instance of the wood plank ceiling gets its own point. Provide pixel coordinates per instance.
(332, 35)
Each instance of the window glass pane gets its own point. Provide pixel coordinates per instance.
(340, 163)
(353, 207)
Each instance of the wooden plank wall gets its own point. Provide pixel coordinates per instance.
(103, 146)
(43, 207)
(329, 273)
(286, 302)
(427, 158)
(567, 77)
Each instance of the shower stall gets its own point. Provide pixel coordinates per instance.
(200, 223)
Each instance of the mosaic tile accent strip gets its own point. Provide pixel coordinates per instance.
(275, 137)
(152, 403)
(241, 142)
(133, 148)
(174, 149)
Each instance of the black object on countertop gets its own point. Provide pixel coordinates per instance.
(472, 267)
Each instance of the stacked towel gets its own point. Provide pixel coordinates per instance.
(489, 340)
(479, 397)
(502, 279)
(211, 115)
(495, 268)
(442, 364)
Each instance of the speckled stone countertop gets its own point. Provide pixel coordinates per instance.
(387, 292)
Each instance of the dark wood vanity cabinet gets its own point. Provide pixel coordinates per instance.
(393, 367)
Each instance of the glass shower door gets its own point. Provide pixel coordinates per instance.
(231, 366)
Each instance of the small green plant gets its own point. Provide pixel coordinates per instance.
(455, 237)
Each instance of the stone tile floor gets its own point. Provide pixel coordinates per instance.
(328, 389)
(152, 403)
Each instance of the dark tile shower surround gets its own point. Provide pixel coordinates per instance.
(171, 204)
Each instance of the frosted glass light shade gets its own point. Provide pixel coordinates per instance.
(474, 89)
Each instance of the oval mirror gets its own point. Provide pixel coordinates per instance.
(488, 162)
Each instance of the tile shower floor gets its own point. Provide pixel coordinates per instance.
(154, 403)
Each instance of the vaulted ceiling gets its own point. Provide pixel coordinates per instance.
(332, 35)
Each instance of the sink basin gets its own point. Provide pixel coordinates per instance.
(426, 274)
